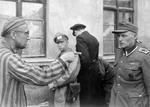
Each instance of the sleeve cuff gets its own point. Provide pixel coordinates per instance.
(63, 63)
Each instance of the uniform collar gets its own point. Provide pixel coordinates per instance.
(84, 33)
(130, 51)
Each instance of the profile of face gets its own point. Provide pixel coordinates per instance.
(76, 32)
(21, 36)
(126, 40)
(62, 45)
(73, 33)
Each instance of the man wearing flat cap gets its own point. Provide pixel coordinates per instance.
(15, 72)
(132, 66)
(61, 84)
(88, 45)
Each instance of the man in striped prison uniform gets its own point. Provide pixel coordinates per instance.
(15, 72)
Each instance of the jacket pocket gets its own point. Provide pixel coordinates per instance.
(138, 99)
(132, 70)
(135, 94)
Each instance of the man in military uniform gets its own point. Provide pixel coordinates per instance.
(132, 67)
(62, 83)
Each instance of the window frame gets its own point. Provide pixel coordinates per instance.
(116, 9)
(19, 14)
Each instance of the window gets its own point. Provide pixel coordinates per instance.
(115, 11)
(34, 12)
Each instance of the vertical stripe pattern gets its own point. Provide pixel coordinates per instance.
(14, 72)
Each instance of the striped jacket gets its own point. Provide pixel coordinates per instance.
(14, 72)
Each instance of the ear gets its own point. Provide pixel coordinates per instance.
(135, 35)
(67, 42)
(13, 35)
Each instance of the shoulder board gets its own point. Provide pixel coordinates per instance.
(144, 50)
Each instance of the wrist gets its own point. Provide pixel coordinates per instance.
(51, 85)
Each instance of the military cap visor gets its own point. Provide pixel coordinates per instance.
(60, 38)
(78, 27)
(124, 27)
(119, 31)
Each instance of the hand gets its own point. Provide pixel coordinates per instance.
(51, 86)
(68, 57)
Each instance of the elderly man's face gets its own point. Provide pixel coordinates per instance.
(126, 40)
(22, 36)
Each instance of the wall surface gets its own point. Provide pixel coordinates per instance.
(62, 15)
(143, 16)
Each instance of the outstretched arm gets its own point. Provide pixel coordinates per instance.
(31, 74)
(69, 75)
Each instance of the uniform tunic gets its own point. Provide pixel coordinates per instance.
(68, 77)
(72, 71)
(132, 82)
(14, 72)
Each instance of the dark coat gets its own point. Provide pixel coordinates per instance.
(88, 45)
(92, 90)
(132, 82)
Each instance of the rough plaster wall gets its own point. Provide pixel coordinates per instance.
(143, 16)
(63, 14)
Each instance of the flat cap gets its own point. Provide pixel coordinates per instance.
(60, 37)
(126, 26)
(11, 24)
(78, 27)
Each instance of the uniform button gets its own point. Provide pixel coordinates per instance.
(118, 92)
(140, 95)
(121, 61)
(119, 68)
(118, 84)
(119, 76)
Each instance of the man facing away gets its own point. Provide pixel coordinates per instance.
(14, 71)
(132, 67)
(88, 76)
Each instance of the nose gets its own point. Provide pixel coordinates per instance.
(120, 38)
(59, 44)
(28, 38)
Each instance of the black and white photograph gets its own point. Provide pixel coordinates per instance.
(74, 53)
